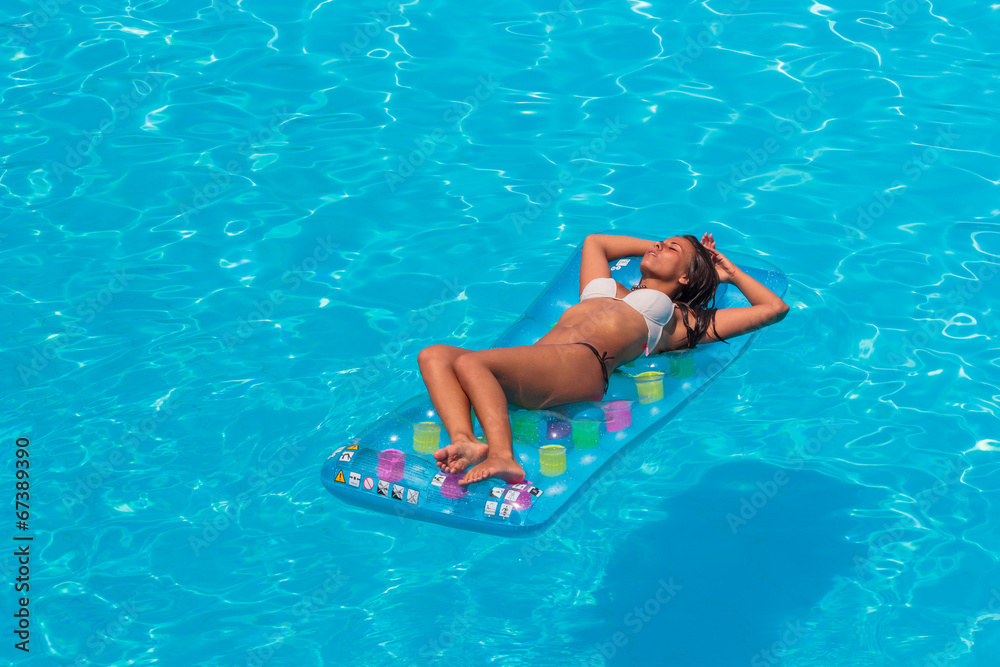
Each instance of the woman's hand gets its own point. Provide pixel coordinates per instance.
(726, 269)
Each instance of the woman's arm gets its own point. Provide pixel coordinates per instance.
(755, 292)
(599, 249)
(616, 247)
(766, 309)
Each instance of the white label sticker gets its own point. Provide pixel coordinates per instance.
(355, 479)
(383, 488)
(535, 491)
(412, 496)
(496, 492)
(621, 263)
(438, 479)
(346, 456)
(397, 492)
(505, 510)
(491, 508)
(519, 487)
(511, 496)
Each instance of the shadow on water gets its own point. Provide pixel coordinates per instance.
(741, 595)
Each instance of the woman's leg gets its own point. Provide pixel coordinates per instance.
(531, 376)
(437, 367)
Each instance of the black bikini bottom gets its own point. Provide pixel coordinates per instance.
(602, 359)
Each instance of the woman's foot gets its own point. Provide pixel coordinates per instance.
(507, 469)
(458, 456)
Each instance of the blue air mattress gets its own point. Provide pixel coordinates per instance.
(389, 466)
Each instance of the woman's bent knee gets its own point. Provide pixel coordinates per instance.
(465, 363)
(432, 354)
(439, 354)
(426, 356)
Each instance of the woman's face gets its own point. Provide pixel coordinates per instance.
(668, 259)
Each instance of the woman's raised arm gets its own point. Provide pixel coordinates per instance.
(766, 309)
(599, 249)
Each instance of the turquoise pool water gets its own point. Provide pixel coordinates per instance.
(228, 229)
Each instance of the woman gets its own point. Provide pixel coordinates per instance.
(668, 310)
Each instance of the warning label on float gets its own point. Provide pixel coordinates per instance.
(339, 477)
(397, 492)
(355, 479)
(496, 492)
(383, 488)
(412, 496)
(505, 510)
(369, 483)
(439, 479)
(491, 508)
(346, 457)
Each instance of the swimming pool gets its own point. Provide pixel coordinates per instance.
(229, 228)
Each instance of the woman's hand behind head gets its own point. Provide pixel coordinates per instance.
(725, 268)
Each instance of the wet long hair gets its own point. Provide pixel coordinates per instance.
(698, 296)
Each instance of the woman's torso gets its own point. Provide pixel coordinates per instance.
(615, 327)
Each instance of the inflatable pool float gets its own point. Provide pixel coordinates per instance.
(389, 467)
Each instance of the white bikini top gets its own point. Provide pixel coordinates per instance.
(656, 307)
